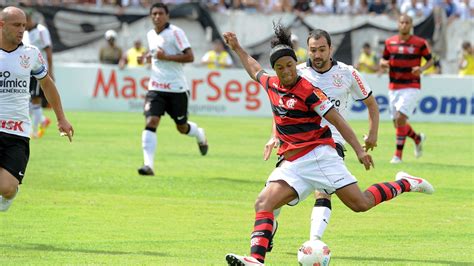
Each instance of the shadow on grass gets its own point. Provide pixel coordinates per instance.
(50, 248)
(238, 181)
(396, 260)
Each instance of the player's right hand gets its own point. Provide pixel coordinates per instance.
(231, 40)
(65, 129)
(365, 159)
(272, 143)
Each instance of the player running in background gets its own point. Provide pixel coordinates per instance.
(340, 82)
(402, 57)
(167, 90)
(18, 62)
(38, 35)
(310, 160)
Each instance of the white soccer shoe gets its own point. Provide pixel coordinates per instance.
(236, 260)
(419, 147)
(5, 203)
(395, 160)
(417, 184)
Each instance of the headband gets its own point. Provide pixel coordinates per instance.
(280, 51)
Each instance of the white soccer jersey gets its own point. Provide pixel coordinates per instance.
(38, 36)
(338, 83)
(16, 68)
(167, 75)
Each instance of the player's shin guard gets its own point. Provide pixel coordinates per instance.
(149, 143)
(262, 232)
(320, 218)
(401, 133)
(388, 190)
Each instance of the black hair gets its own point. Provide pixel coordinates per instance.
(282, 35)
(159, 5)
(318, 33)
(366, 45)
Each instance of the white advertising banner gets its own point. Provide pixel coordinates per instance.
(232, 93)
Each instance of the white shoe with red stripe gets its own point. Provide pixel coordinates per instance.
(236, 260)
(417, 184)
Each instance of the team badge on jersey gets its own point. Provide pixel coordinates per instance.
(291, 103)
(400, 49)
(337, 80)
(24, 61)
(411, 49)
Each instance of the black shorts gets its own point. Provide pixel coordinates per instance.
(35, 90)
(14, 154)
(175, 104)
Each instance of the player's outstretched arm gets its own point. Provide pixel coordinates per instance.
(250, 64)
(52, 95)
(348, 134)
(373, 108)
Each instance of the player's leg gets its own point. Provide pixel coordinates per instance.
(14, 155)
(401, 135)
(273, 196)
(36, 111)
(359, 201)
(153, 110)
(179, 112)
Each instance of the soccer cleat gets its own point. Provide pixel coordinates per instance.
(395, 160)
(417, 184)
(145, 170)
(203, 147)
(5, 203)
(45, 123)
(419, 146)
(236, 260)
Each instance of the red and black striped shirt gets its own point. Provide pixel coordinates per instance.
(297, 113)
(403, 56)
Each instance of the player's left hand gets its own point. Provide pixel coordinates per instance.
(416, 70)
(370, 142)
(160, 54)
(65, 129)
(272, 143)
(365, 159)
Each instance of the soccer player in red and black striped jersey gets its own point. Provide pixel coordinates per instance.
(310, 160)
(402, 56)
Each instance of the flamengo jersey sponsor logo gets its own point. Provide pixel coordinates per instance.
(5, 82)
(24, 61)
(11, 125)
(359, 82)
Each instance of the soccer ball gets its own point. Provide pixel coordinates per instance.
(314, 253)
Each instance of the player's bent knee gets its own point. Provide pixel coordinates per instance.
(183, 129)
(8, 191)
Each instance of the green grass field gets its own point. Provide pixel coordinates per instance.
(84, 203)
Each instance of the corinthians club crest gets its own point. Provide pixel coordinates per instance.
(337, 80)
(24, 61)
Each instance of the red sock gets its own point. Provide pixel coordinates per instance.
(388, 190)
(401, 133)
(412, 134)
(261, 235)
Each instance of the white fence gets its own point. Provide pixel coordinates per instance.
(231, 93)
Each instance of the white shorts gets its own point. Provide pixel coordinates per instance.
(403, 101)
(321, 169)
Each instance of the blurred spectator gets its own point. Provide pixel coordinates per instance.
(368, 61)
(300, 51)
(348, 7)
(411, 8)
(377, 7)
(426, 7)
(302, 6)
(111, 53)
(320, 7)
(392, 10)
(466, 62)
(436, 67)
(218, 57)
(219, 6)
(465, 9)
(449, 8)
(133, 56)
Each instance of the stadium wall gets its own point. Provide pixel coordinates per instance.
(92, 87)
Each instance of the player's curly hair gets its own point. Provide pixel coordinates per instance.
(282, 35)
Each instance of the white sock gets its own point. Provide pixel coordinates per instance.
(37, 114)
(319, 221)
(149, 142)
(197, 132)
